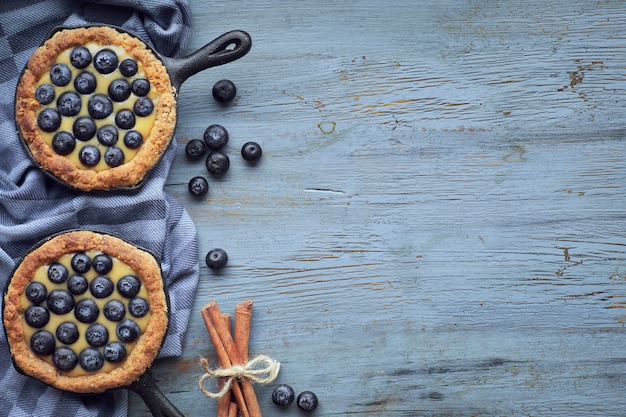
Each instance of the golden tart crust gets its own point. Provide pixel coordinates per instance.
(145, 347)
(27, 107)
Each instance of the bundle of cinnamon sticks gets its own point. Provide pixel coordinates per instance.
(232, 350)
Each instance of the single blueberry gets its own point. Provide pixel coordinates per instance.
(91, 359)
(86, 310)
(198, 186)
(42, 342)
(84, 128)
(97, 335)
(119, 90)
(45, 94)
(195, 148)
(64, 359)
(99, 106)
(216, 258)
(48, 120)
(114, 156)
(138, 307)
(101, 286)
(128, 286)
(127, 331)
(102, 263)
(69, 104)
(36, 316)
(36, 292)
(215, 136)
(107, 135)
(57, 273)
(143, 107)
(89, 155)
(67, 333)
(81, 262)
(114, 310)
(224, 91)
(283, 395)
(217, 163)
(85, 83)
(307, 401)
(77, 284)
(60, 74)
(114, 352)
(80, 57)
(133, 139)
(125, 119)
(140, 87)
(105, 61)
(60, 302)
(128, 67)
(251, 151)
(63, 143)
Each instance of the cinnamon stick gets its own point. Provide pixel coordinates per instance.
(232, 410)
(223, 403)
(243, 318)
(229, 346)
(212, 322)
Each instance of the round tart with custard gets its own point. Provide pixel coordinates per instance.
(96, 108)
(85, 312)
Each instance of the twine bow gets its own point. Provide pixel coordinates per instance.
(251, 370)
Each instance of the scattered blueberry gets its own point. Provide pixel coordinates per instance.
(60, 74)
(84, 128)
(80, 57)
(217, 163)
(105, 61)
(140, 87)
(64, 359)
(107, 135)
(42, 342)
(114, 156)
(128, 67)
(283, 395)
(63, 143)
(45, 94)
(81, 262)
(101, 286)
(143, 107)
(127, 331)
(114, 352)
(198, 186)
(125, 119)
(91, 359)
(67, 333)
(195, 148)
(216, 258)
(119, 90)
(99, 106)
(36, 292)
(133, 139)
(114, 310)
(89, 155)
(251, 151)
(57, 273)
(97, 335)
(224, 91)
(48, 120)
(69, 104)
(138, 307)
(86, 311)
(307, 401)
(128, 286)
(60, 302)
(85, 83)
(36, 316)
(102, 263)
(215, 137)
(77, 284)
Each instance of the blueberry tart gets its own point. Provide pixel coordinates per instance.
(96, 108)
(85, 312)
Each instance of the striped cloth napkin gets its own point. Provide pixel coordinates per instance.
(33, 207)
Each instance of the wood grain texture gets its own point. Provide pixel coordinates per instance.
(437, 224)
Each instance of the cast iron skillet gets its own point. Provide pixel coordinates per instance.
(146, 387)
(224, 49)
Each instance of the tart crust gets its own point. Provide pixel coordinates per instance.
(129, 174)
(146, 346)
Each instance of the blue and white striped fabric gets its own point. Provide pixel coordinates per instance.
(33, 207)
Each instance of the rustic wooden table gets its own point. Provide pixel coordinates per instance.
(437, 224)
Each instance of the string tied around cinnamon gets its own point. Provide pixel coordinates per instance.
(261, 370)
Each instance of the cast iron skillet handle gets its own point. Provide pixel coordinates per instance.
(156, 401)
(215, 53)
